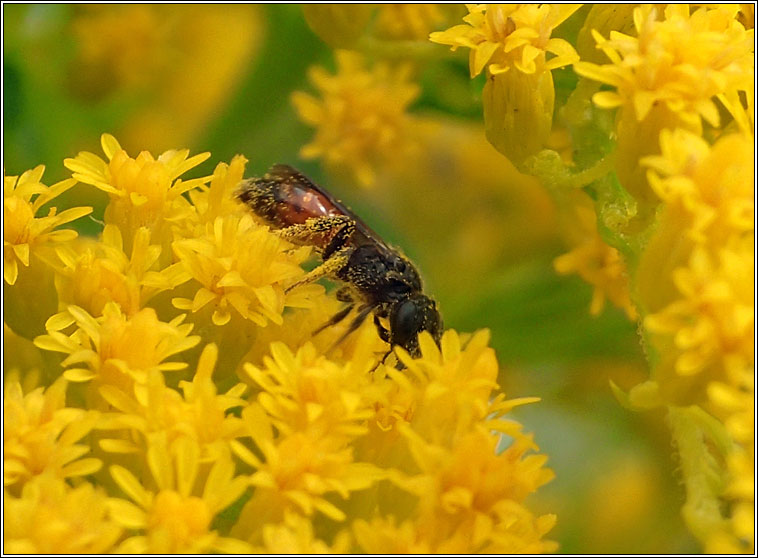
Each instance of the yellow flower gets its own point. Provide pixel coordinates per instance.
(23, 231)
(715, 185)
(361, 121)
(217, 199)
(50, 517)
(115, 349)
(144, 192)
(469, 495)
(327, 435)
(304, 420)
(95, 273)
(505, 36)
(308, 392)
(40, 434)
(712, 323)
(200, 412)
(681, 61)
(598, 264)
(669, 76)
(176, 517)
(294, 535)
(242, 269)
(471, 498)
(512, 41)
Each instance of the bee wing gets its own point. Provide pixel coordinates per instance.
(289, 175)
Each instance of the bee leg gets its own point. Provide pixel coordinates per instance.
(384, 358)
(337, 318)
(329, 267)
(344, 294)
(355, 324)
(338, 228)
(384, 334)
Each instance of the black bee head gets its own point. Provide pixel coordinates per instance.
(409, 317)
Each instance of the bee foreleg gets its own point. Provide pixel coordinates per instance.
(384, 334)
(355, 324)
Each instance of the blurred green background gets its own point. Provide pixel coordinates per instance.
(219, 79)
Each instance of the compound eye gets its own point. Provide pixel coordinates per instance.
(405, 321)
(398, 287)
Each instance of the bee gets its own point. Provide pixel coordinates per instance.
(376, 278)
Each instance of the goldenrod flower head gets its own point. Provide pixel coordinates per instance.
(471, 497)
(307, 392)
(361, 121)
(199, 412)
(512, 42)
(95, 273)
(715, 185)
(144, 192)
(23, 231)
(115, 349)
(50, 517)
(41, 434)
(713, 321)
(176, 517)
(505, 36)
(598, 264)
(680, 60)
(303, 423)
(242, 269)
(216, 199)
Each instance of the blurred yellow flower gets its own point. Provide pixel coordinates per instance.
(713, 323)
(409, 21)
(598, 264)
(40, 435)
(294, 535)
(51, 517)
(154, 55)
(714, 184)
(176, 516)
(23, 231)
(361, 120)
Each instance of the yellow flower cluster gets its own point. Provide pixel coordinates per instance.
(361, 120)
(183, 409)
(659, 199)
